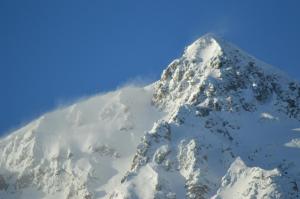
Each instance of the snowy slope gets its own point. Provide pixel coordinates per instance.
(219, 124)
(75, 151)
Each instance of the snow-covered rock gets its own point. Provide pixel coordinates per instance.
(219, 124)
(243, 182)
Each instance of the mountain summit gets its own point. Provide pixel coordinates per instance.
(219, 124)
(220, 70)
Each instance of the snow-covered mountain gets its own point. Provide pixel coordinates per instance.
(219, 124)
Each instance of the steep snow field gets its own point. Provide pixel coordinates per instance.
(219, 124)
(91, 142)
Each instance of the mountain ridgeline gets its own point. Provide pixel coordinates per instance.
(219, 124)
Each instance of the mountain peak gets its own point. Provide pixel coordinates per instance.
(203, 49)
(226, 131)
(211, 71)
(211, 45)
(210, 37)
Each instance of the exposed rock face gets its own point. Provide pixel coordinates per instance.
(213, 74)
(205, 92)
(220, 127)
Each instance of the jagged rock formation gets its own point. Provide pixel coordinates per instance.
(218, 124)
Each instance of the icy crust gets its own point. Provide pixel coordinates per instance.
(216, 75)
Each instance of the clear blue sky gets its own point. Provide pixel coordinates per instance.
(55, 51)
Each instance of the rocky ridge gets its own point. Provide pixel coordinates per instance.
(221, 126)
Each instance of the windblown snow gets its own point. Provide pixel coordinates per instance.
(219, 124)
